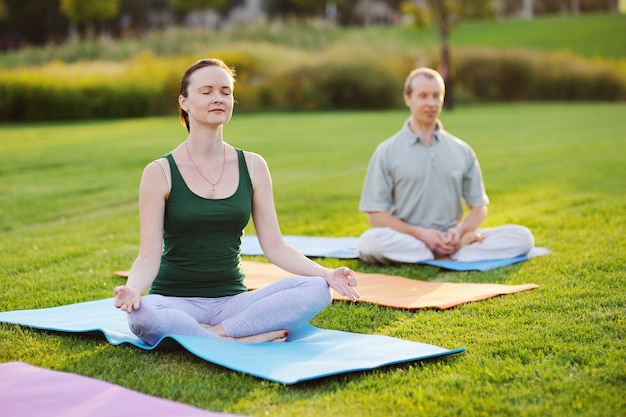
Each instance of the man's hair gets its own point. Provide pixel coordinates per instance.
(426, 72)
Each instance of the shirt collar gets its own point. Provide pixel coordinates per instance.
(406, 132)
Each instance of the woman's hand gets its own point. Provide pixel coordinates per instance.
(343, 280)
(127, 298)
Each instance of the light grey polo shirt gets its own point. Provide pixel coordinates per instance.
(423, 185)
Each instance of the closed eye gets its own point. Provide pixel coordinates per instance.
(206, 91)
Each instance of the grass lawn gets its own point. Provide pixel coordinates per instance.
(590, 35)
(69, 218)
(604, 35)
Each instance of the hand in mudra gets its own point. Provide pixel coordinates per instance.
(126, 298)
(343, 280)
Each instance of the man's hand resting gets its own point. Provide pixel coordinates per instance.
(439, 243)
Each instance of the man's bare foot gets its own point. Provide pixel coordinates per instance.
(271, 336)
(470, 237)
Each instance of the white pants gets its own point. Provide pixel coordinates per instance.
(387, 246)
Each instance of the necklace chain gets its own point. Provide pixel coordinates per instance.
(202, 175)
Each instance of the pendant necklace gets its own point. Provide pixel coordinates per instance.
(200, 172)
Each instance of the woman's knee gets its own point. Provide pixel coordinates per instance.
(318, 296)
(322, 290)
(142, 322)
(140, 327)
(316, 288)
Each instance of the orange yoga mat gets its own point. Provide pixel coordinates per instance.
(390, 290)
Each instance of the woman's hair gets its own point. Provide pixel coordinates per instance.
(184, 83)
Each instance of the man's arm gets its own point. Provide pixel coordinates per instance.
(465, 232)
(473, 220)
(385, 219)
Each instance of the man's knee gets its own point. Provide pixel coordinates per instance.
(368, 246)
(523, 236)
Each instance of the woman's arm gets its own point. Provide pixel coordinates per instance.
(282, 255)
(153, 192)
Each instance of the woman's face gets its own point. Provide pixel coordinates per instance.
(209, 97)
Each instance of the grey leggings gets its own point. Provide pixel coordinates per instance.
(286, 304)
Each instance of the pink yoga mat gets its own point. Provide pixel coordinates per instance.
(29, 391)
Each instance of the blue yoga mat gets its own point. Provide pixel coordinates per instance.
(488, 264)
(313, 246)
(345, 248)
(310, 352)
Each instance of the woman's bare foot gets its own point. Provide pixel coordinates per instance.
(271, 336)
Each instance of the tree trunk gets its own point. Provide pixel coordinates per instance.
(445, 69)
(445, 66)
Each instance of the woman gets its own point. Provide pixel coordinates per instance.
(193, 206)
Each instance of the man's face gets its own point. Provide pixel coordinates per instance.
(425, 100)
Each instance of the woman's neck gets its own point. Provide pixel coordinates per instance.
(206, 141)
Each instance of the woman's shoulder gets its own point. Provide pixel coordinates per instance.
(157, 170)
(248, 154)
(252, 158)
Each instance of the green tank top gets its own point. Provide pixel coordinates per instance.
(202, 239)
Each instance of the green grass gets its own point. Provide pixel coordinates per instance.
(586, 35)
(589, 36)
(69, 219)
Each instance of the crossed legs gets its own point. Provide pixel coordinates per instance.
(386, 246)
(266, 314)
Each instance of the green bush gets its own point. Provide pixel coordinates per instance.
(355, 84)
(342, 78)
(522, 75)
(347, 82)
(142, 86)
(138, 87)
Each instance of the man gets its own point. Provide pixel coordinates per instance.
(415, 187)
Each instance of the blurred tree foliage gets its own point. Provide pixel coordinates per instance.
(90, 15)
(295, 8)
(222, 6)
(32, 22)
(39, 22)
